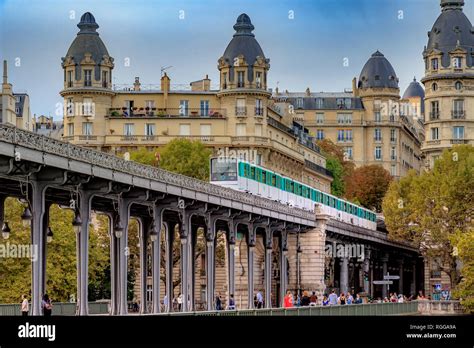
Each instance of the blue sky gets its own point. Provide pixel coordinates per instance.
(306, 51)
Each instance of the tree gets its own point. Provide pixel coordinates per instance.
(145, 156)
(368, 185)
(431, 209)
(338, 164)
(183, 156)
(464, 248)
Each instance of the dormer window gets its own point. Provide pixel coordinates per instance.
(434, 63)
(458, 85)
(258, 80)
(88, 78)
(457, 62)
(434, 87)
(299, 103)
(377, 77)
(240, 79)
(224, 78)
(105, 78)
(69, 78)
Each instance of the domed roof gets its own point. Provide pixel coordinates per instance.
(87, 41)
(243, 43)
(452, 29)
(414, 89)
(378, 73)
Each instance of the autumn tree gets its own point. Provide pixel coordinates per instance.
(431, 209)
(464, 248)
(367, 185)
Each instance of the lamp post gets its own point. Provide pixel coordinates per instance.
(5, 230)
(26, 217)
(77, 222)
(118, 228)
(153, 232)
(49, 235)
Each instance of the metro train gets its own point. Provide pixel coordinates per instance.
(243, 176)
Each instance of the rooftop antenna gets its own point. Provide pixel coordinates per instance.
(164, 68)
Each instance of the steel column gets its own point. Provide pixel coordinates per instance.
(384, 273)
(344, 276)
(169, 236)
(283, 262)
(123, 252)
(144, 225)
(156, 259)
(268, 267)
(251, 238)
(85, 200)
(210, 263)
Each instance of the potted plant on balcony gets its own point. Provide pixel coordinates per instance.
(111, 131)
(161, 114)
(147, 108)
(114, 113)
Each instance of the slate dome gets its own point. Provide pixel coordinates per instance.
(378, 73)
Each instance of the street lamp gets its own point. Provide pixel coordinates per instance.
(118, 228)
(26, 217)
(77, 222)
(5, 230)
(49, 235)
(153, 233)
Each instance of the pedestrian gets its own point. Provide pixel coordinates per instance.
(342, 299)
(358, 299)
(25, 306)
(313, 300)
(231, 305)
(165, 303)
(349, 298)
(305, 299)
(180, 301)
(288, 300)
(298, 300)
(218, 303)
(325, 300)
(333, 298)
(259, 300)
(400, 298)
(47, 306)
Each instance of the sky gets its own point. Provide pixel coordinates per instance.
(320, 44)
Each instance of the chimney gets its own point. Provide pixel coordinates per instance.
(136, 84)
(276, 91)
(355, 91)
(165, 87)
(206, 84)
(5, 74)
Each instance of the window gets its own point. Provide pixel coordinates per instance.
(434, 63)
(70, 129)
(69, 78)
(184, 129)
(149, 106)
(393, 135)
(183, 107)
(129, 107)
(241, 129)
(204, 107)
(205, 129)
(240, 79)
(434, 87)
(258, 107)
(87, 128)
(87, 78)
(457, 62)
(393, 170)
(393, 153)
(348, 135)
(458, 132)
(378, 153)
(299, 103)
(105, 78)
(128, 129)
(258, 130)
(434, 133)
(319, 117)
(377, 116)
(377, 134)
(240, 109)
(150, 129)
(340, 135)
(87, 107)
(348, 152)
(319, 103)
(344, 118)
(258, 80)
(69, 107)
(458, 108)
(458, 85)
(320, 134)
(434, 113)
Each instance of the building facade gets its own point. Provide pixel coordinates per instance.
(449, 81)
(14, 107)
(234, 118)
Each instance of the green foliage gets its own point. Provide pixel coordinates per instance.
(183, 156)
(15, 273)
(431, 208)
(464, 245)
(145, 156)
(338, 185)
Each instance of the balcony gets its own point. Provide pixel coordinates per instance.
(148, 112)
(87, 137)
(459, 141)
(434, 115)
(433, 142)
(458, 114)
(317, 168)
(129, 138)
(240, 111)
(258, 111)
(280, 126)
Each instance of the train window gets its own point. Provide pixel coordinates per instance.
(292, 187)
(252, 173)
(223, 170)
(274, 180)
(264, 176)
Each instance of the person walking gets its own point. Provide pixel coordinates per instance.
(358, 299)
(313, 300)
(349, 298)
(25, 306)
(333, 298)
(342, 299)
(231, 305)
(325, 301)
(47, 306)
(259, 300)
(288, 300)
(180, 302)
(218, 303)
(305, 299)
